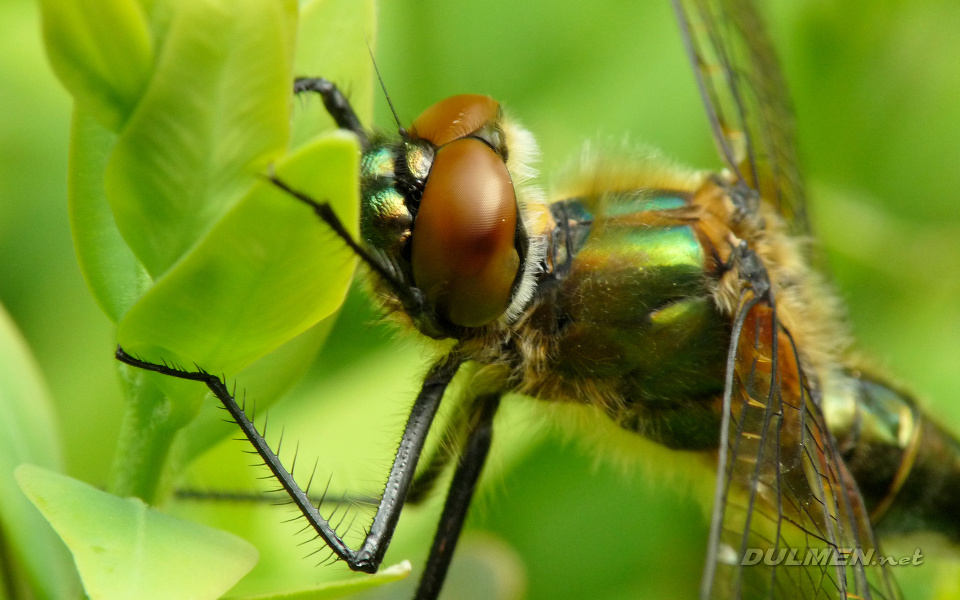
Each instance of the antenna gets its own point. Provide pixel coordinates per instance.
(400, 129)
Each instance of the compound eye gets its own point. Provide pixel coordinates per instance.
(464, 255)
(454, 117)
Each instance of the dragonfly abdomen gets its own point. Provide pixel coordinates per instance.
(906, 466)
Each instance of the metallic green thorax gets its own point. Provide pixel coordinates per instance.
(634, 315)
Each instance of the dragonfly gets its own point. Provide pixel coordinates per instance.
(681, 305)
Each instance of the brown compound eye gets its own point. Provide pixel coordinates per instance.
(454, 117)
(464, 257)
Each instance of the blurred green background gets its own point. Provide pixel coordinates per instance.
(877, 93)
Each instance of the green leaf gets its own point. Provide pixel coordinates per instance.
(102, 52)
(342, 589)
(28, 433)
(215, 114)
(175, 201)
(332, 43)
(114, 275)
(197, 258)
(123, 549)
(268, 271)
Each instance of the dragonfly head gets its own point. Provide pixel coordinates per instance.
(442, 205)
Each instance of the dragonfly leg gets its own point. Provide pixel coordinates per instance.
(370, 554)
(449, 447)
(426, 480)
(465, 477)
(335, 102)
(752, 270)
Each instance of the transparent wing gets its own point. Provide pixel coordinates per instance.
(746, 100)
(788, 519)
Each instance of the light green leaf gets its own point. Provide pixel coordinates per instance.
(28, 433)
(268, 271)
(342, 589)
(102, 52)
(123, 549)
(332, 43)
(215, 114)
(114, 275)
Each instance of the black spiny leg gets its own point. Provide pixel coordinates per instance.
(447, 450)
(470, 464)
(335, 102)
(368, 557)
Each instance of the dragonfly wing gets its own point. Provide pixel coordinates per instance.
(787, 513)
(746, 100)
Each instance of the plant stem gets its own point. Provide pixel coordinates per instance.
(146, 434)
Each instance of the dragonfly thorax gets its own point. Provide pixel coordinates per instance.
(441, 206)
